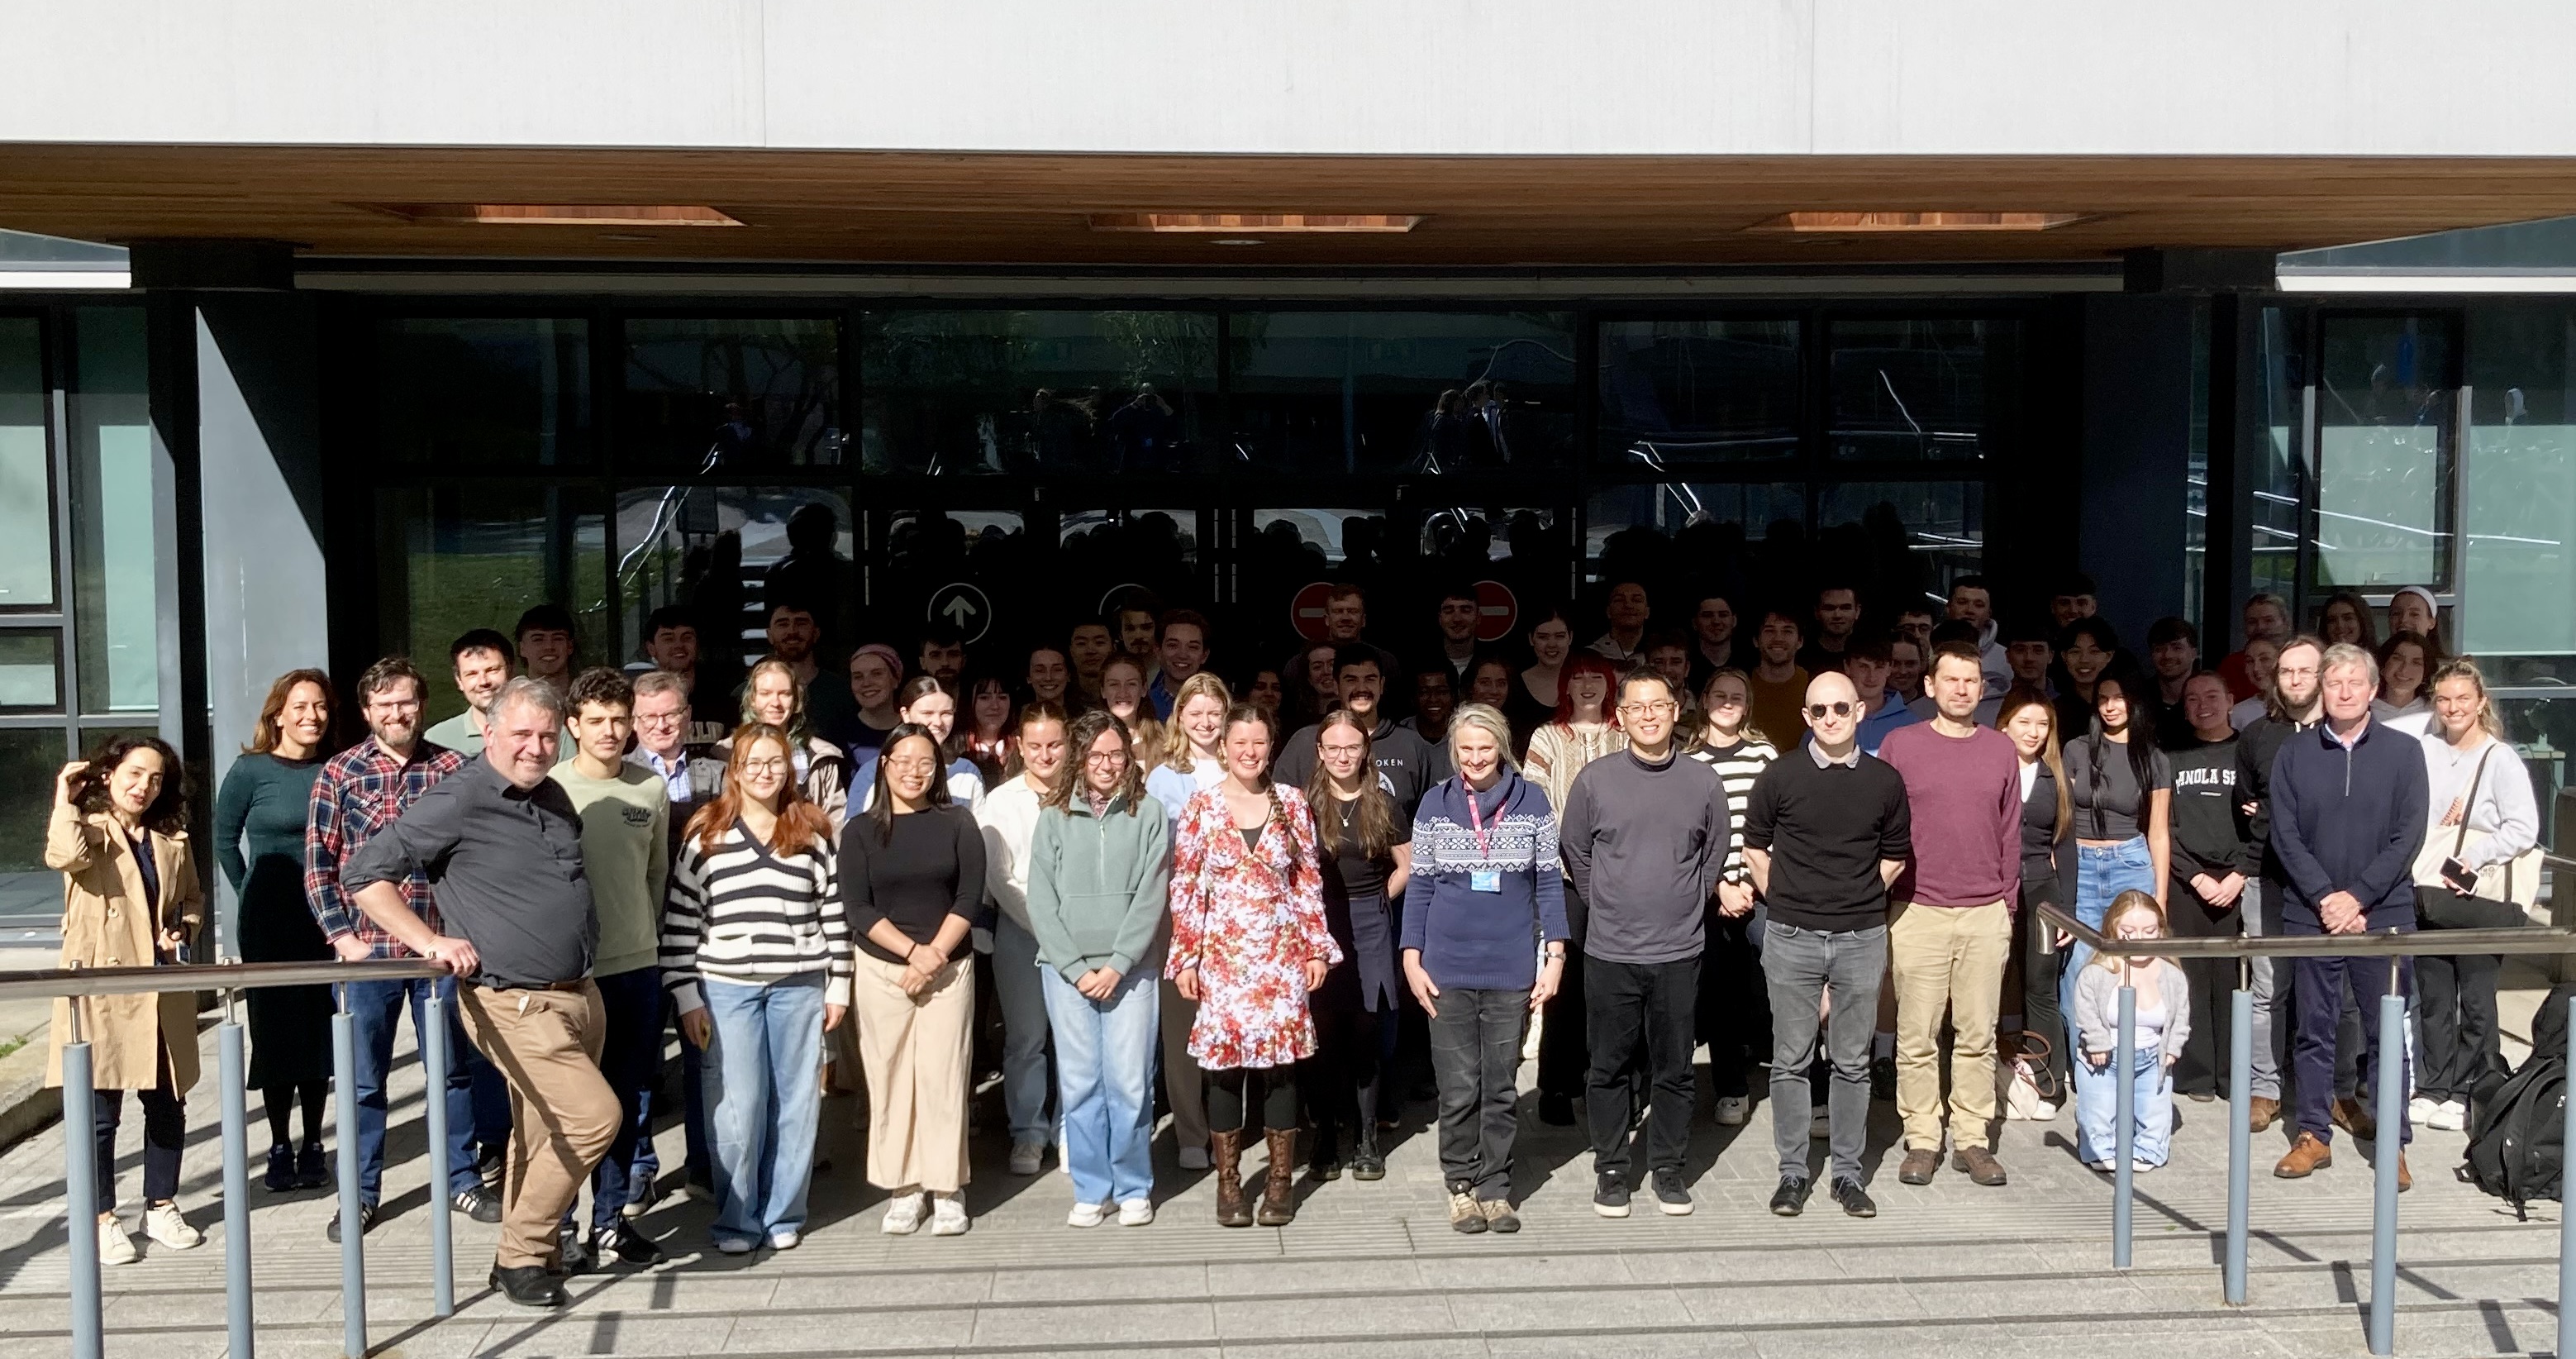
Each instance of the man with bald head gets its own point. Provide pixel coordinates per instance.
(1826, 831)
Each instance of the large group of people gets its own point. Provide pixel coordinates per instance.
(1279, 900)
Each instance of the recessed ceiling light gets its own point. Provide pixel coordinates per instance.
(561, 214)
(1234, 240)
(623, 237)
(1860, 222)
(1208, 222)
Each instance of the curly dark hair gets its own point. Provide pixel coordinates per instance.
(168, 813)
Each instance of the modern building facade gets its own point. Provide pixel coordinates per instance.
(332, 333)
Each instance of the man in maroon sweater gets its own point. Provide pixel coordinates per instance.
(1949, 924)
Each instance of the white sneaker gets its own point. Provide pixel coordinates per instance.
(733, 1245)
(903, 1216)
(1135, 1212)
(2137, 1167)
(163, 1223)
(114, 1246)
(2419, 1111)
(948, 1215)
(2450, 1116)
(1732, 1110)
(1027, 1158)
(2042, 1111)
(788, 1239)
(1086, 1215)
(1194, 1158)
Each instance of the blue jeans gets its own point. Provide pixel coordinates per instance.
(630, 1060)
(2101, 873)
(1104, 1064)
(2097, 1106)
(1025, 1011)
(764, 1099)
(375, 1010)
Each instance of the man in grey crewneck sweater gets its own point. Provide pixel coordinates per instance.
(1645, 837)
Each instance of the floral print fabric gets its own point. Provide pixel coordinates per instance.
(1248, 920)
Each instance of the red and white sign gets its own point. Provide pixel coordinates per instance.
(1497, 611)
(1306, 611)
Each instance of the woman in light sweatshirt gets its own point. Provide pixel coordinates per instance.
(1099, 875)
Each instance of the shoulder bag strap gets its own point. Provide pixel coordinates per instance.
(2470, 801)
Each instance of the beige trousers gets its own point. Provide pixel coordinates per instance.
(1947, 961)
(562, 1113)
(918, 1052)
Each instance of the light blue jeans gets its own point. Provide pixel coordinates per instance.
(2097, 1106)
(764, 1098)
(2101, 873)
(1104, 1069)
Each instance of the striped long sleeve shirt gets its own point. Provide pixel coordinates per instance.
(743, 914)
(1737, 767)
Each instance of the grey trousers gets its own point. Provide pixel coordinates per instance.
(2262, 916)
(1802, 966)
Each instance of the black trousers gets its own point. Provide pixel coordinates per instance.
(1564, 1056)
(2202, 1067)
(1227, 1110)
(1734, 1008)
(2040, 1015)
(1635, 1010)
(2456, 997)
(165, 1131)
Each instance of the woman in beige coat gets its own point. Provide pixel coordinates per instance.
(131, 898)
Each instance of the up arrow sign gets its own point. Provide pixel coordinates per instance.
(959, 611)
(963, 606)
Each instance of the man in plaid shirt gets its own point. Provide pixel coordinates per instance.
(359, 792)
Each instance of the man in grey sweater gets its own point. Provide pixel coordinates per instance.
(1645, 838)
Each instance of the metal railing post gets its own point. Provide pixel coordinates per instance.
(2567, 1220)
(434, 1055)
(80, 1185)
(2240, 1136)
(353, 1262)
(237, 1285)
(2388, 1079)
(2124, 1115)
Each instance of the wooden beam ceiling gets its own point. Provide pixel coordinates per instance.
(955, 209)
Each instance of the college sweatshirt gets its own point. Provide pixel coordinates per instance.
(1484, 940)
(1645, 844)
(626, 854)
(2348, 817)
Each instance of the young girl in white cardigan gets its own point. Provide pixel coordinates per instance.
(2163, 1024)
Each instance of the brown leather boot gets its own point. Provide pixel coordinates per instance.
(2351, 1116)
(1279, 1189)
(2261, 1111)
(2308, 1155)
(1227, 1150)
(2405, 1177)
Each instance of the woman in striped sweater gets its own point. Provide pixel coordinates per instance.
(756, 953)
(1734, 1017)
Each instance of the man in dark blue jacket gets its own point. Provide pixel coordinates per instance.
(2349, 803)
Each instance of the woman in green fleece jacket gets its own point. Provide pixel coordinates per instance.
(1100, 868)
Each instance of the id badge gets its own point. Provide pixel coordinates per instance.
(1485, 880)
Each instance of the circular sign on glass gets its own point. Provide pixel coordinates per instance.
(963, 607)
(1306, 610)
(1498, 611)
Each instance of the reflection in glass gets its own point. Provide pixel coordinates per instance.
(2518, 497)
(1914, 389)
(115, 530)
(1682, 391)
(30, 758)
(483, 392)
(26, 498)
(1104, 550)
(729, 395)
(2384, 413)
(988, 549)
(1901, 540)
(721, 552)
(955, 393)
(2279, 477)
(1697, 535)
(31, 671)
(1425, 392)
(452, 558)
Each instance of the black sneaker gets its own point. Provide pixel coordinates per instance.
(575, 1256)
(1610, 1199)
(1854, 1199)
(311, 1171)
(281, 1170)
(1557, 1110)
(366, 1223)
(528, 1286)
(1790, 1199)
(478, 1203)
(626, 1246)
(488, 1167)
(1672, 1199)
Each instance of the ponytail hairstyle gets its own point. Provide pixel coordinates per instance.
(1374, 824)
(2467, 669)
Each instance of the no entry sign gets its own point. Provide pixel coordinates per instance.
(1306, 611)
(1497, 611)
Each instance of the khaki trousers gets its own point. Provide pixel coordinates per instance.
(918, 1052)
(1184, 1084)
(1947, 961)
(562, 1113)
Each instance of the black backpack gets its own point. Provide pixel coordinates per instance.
(2518, 1122)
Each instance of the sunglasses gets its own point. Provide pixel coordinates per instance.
(1838, 708)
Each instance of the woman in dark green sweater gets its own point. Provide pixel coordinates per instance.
(259, 840)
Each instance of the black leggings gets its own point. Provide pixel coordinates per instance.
(281, 1101)
(1225, 1102)
(1354, 1048)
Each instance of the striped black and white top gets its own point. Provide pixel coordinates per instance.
(1737, 766)
(743, 914)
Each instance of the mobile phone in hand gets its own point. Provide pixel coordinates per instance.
(2463, 879)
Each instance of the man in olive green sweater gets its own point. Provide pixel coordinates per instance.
(626, 853)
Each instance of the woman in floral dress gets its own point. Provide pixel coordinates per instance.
(1249, 942)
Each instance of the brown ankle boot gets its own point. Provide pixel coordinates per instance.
(1279, 1189)
(1227, 1150)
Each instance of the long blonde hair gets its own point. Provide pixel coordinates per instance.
(2126, 903)
(1175, 748)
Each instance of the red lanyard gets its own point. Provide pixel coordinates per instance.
(1476, 819)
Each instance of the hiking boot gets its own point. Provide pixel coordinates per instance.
(2308, 1155)
(1465, 1214)
(1499, 1216)
(1367, 1162)
(2353, 1117)
(1981, 1165)
(1279, 1183)
(1917, 1167)
(2261, 1112)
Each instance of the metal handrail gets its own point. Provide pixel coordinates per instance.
(2377, 944)
(41, 983)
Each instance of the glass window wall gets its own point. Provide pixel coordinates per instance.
(1917, 389)
(483, 392)
(958, 393)
(704, 396)
(2518, 488)
(1417, 392)
(452, 558)
(1679, 391)
(26, 469)
(115, 538)
(2386, 405)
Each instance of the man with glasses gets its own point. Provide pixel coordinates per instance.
(1645, 835)
(1950, 929)
(662, 725)
(1827, 833)
(358, 793)
(2290, 709)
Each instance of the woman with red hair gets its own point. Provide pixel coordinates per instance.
(1584, 729)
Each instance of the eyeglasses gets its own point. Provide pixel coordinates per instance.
(657, 719)
(1663, 706)
(1106, 759)
(1838, 708)
(764, 766)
